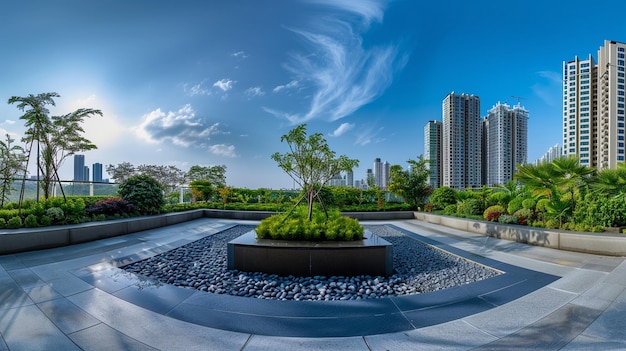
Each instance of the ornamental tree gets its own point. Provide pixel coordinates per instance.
(311, 163)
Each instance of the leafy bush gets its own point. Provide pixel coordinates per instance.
(492, 213)
(470, 207)
(514, 205)
(450, 210)
(298, 227)
(3, 223)
(507, 219)
(144, 192)
(14, 223)
(442, 197)
(110, 207)
(31, 221)
(529, 204)
(45, 221)
(55, 214)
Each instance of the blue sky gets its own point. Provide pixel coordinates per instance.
(218, 82)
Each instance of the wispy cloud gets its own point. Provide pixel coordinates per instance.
(369, 10)
(254, 91)
(196, 89)
(239, 54)
(224, 84)
(548, 88)
(344, 74)
(223, 150)
(369, 135)
(344, 127)
(179, 127)
(290, 85)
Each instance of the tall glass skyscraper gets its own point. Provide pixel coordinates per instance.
(79, 167)
(97, 172)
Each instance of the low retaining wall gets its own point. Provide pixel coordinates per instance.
(28, 239)
(596, 243)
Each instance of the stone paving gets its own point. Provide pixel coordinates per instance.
(75, 298)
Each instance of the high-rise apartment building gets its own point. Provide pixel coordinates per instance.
(386, 175)
(461, 141)
(594, 107)
(505, 142)
(79, 167)
(611, 94)
(432, 152)
(378, 172)
(580, 110)
(553, 153)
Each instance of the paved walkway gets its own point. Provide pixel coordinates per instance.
(74, 298)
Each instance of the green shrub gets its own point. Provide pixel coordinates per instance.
(492, 213)
(144, 192)
(450, 210)
(507, 219)
(514, 205)
(470, 207)
(14, 223)
(56, 215)
(3, 223)
(45, 221)
(31, 221)
(298, 227)
(552, 223)
(529, 204)
(442, 197)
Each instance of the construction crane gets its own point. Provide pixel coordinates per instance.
(518, 98)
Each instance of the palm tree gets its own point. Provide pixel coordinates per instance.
(610, 182)
(11, 162)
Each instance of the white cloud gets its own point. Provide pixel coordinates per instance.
(290, 85)
(8, 122)
(197, 89)
(239, 54)
(254, 91)
(344, 127)
(223, 150)
(178, 127)
(224, 84)
(368, 10)
(344, 74)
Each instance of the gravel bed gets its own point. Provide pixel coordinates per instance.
(202, 265)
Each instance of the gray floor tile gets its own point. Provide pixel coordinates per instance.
(101, 337)
(42, 293)
(25, 278)
(66, 316)
(154, 329)
(264, 343)
(611, 325)
(27, 328)
(510, 318)
(12, 296)
(69, 285)
(585, 343)
(455, 335)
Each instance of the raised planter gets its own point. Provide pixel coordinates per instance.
(371, 256)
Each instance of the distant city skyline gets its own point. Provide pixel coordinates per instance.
(223, 80)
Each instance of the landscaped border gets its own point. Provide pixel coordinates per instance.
(28, 239)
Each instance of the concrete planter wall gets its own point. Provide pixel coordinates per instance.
(596, 243)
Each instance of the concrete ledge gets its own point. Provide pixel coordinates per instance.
(596, 243)
(371, 256)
